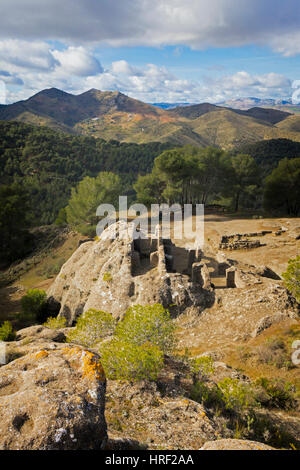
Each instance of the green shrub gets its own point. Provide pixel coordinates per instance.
(55, 322)
(202, 367)
(274, 352)
(147, 324)
(34, 307)
(6, 332)
(207, 395)
(91, 327)
(280, 394)
(128, 361)
(275, 434)
(292, 277)
(140, 340)
(236, 395)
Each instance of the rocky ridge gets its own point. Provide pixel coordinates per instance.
(118, 271)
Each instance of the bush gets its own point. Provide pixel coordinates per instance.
(128, 361)
(6, 332)
(274, 352)
(137, 350)
(292, 277)
(55, 322)
(236, 395)
(280, 394)
(34, 307)
(91, 327)
(202, 367)
(148, 324)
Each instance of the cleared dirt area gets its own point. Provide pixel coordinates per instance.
(277, 249)
(274, 252)
(225, 330)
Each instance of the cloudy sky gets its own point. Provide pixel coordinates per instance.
(153, 50)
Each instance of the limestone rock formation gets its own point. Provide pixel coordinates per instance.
(33, 339)
(266, 322)
(235, 444)
(53, 399)
(41, 332)
(111, 274)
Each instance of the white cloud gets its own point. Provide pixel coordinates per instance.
(28, 63)
(288, 44)
(77, 61)
(197, 23)
(27, 68)
(243, 84)
(154, 83)
(17, 55)
(150, 83)
(2, 92)
(121, 67)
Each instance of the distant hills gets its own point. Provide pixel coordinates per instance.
(115, 116)
(247, 103)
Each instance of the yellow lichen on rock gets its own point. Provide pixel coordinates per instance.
(92, 368)
(41, 354)
(38, 355)
(88, 363)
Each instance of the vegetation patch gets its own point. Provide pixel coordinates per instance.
(7, 332)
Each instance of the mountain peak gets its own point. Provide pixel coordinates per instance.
(52, 92)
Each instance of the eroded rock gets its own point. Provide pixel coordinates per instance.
(53, 399)
(112, 275)
(235, 444)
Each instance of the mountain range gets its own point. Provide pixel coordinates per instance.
(115, 116)
(250, 102)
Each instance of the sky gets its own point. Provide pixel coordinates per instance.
(152, 50)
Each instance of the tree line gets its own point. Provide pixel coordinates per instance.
(48, 176)
(191, 175)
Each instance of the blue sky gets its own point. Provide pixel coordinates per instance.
(186, 62)
(153, 50)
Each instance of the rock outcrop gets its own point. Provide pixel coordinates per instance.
(235, 444)
(111, 274)
(52, 399)
(39, 332)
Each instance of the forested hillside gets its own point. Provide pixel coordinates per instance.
(268, 153)
(48, 164)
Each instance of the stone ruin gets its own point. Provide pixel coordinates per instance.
(241, 275)
(240, 241)
(114, 273)
(163, 254)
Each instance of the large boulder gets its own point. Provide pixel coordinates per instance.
(112, 274)
(41, 332)
(53, 399)
(235, 444)
(33, 339)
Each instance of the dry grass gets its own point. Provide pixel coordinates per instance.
(269, 354)
(36, 277)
